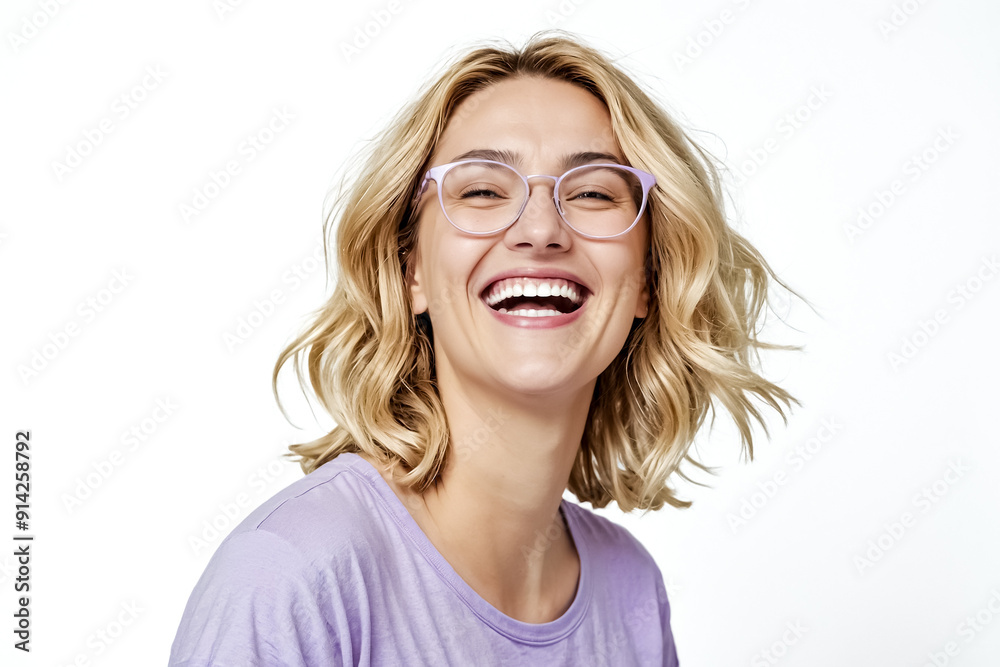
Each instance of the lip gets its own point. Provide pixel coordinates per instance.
(536, 272)
(547, 322)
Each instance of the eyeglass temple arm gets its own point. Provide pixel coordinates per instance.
(421, 190)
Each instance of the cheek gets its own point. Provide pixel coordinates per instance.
(448, 266)
(632, 271)
(641, 263)
(630, 291)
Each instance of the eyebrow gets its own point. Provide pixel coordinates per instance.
(514, 159)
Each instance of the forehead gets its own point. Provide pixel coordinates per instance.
(538, 120)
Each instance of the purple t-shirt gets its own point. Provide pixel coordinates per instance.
(334, 571)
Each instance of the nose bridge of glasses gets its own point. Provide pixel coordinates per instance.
(554, 179)
(553, 198)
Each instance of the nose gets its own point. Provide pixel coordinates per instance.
(540, 225)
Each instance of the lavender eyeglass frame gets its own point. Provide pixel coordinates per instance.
(437, 174)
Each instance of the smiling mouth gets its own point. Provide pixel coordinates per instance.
(533, 297)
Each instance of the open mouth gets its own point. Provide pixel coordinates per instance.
(535, 297)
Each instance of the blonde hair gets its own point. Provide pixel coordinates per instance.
(370, 361)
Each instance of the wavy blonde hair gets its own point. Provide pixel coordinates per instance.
(370, 361)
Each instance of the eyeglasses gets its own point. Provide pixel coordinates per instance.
(597, 201)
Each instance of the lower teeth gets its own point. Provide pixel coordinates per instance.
(531, 312)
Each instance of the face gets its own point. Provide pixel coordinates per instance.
(539, 124)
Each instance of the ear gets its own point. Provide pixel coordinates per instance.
(414, 283)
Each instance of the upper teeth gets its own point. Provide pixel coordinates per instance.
(505, 289)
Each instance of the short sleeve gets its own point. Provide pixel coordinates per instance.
(256, 605)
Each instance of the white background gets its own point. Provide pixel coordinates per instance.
(840, 546)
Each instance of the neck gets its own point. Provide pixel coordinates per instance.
(494, 513)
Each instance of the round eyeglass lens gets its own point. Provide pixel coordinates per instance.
(600, 199)
(482, 196)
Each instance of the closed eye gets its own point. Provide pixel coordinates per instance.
(593, 194)
(481, 192)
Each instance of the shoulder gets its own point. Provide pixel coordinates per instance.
(258, 586)
(287, 572)
(323, 513)
(607, 541)
(633, 584)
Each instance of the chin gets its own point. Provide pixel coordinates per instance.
(542, 379)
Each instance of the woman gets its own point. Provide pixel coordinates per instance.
(537, 291)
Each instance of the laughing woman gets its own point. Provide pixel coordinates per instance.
(537, 291)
